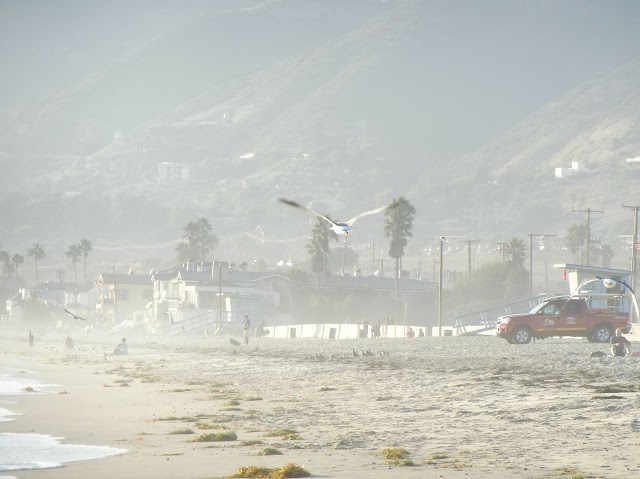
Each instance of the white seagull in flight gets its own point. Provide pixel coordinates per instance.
(338, 228)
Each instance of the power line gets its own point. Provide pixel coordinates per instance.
(588, 211)
(469, 249)
(634, 243)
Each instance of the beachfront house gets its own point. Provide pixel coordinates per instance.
(123, 297)
(206, 295)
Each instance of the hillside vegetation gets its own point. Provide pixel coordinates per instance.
(458, 105)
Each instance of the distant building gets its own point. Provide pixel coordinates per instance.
(563, 172)
(576, 167)
(172, 173)
(128, 145)
(635, 161)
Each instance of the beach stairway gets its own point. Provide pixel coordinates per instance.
(192, 324)
(485, 320)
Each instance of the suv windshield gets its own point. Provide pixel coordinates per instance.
(539, 307)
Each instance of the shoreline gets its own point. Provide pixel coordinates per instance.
(458, 405)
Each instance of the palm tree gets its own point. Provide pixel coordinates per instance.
(197, 242)
(85, 247)
(17, 260)
(60, 274)
(37, 252)
(318, 247)
(74, 252)
(398, 226)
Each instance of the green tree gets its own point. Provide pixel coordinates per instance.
(483, 287)
(515, 252)
(398, 226)
(603, 253)
(74, 252)
(348, 258)
(37, 253)
(17, 259)
(517, 279)
(85, 247)
(298, 277)
(197, 242)
(575, 241)
(318, 247)
(5, 259)
(60, 274)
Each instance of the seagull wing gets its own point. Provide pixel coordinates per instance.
(298, 205)
(76, 317)
(366, 213)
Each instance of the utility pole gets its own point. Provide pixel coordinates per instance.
(442, 240)
(531, 235)
(219, 296)
(373, 252)
(115, 295)
(344, 253)
(469, 250)
(634, 244)
(588, 211)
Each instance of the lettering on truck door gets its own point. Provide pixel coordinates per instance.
(575, 318)
(547, 319)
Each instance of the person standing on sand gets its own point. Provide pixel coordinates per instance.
(31, 338)
(246, 328)
(620, 346)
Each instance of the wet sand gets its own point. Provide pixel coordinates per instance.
(472, 407)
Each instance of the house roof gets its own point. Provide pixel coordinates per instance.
(231, 276)
(593, 269)
(109, 278)
(56, 285)
(382, 283)
(9, 282)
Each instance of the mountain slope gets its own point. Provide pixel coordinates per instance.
(344, 106)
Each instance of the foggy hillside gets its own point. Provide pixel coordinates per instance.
(343, 105)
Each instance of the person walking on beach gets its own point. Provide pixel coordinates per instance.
(31, 339)
(620, 346)
(246, 328)
(411, 333)
(68, 342)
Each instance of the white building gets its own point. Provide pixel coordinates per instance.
(172, 173)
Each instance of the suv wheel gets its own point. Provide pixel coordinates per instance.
(601, 333)
(521, 335)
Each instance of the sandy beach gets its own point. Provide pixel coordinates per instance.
(473, 407)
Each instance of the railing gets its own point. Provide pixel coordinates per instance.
(183, 326)
(486, 318)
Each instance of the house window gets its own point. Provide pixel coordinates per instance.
(122, 295)
(147, 294)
